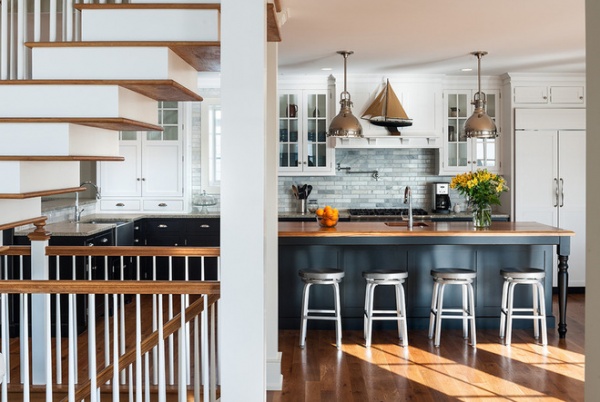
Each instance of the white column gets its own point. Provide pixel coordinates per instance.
(243, 206)
(592, 298)
(274, 377)
(40, 321)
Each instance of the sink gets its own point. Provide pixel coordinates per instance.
(405, 224)
(110, 221)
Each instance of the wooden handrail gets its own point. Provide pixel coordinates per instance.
(132, 251)
(15, 250)
(16, 224)
(146, 345)
(190, 287)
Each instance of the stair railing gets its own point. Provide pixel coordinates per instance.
(121, 355)
(23, 21)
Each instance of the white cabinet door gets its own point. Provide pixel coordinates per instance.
(550, 187)
(531, 94)
(571, 150)
(536, 177)
(123, 179)
(567, 94)
(162, 169)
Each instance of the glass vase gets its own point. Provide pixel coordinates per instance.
(482, 215)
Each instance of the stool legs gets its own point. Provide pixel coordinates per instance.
(467, 311)
(336, 311)
(400, 313)
(538, 310)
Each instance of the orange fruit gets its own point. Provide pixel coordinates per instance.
(319, 212)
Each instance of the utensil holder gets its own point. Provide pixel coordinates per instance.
(302, 207)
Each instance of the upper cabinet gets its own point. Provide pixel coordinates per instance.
(549, 95)
(459, 153)
(303, 147)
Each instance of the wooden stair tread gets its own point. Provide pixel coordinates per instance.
(43, 193)
(160, 90)
(109, 123)
(61, 158)
(202, 56)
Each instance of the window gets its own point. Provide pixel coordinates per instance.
(211, 145)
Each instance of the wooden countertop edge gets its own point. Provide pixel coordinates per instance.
(435, 229)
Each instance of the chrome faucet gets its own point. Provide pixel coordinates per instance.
(408, 200)
(79, 211)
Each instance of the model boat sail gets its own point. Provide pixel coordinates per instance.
(386, 111)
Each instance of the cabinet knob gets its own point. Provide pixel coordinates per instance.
(136, 240)
(138, 179)
(143, 179)
(104, 240)
(581, 98)
(544, 97)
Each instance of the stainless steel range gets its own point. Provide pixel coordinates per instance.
(365, 214)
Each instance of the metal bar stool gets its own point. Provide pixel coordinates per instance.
(452, 276)
(525, 276)
(322, 277)
(374, 279)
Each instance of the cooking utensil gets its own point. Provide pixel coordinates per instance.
(295, 191)
(308, 190)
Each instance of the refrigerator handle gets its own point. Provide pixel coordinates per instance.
(555, 192)
(562, 193)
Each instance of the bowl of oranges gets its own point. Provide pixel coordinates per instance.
(327, 216)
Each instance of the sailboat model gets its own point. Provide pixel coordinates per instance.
(386, 111)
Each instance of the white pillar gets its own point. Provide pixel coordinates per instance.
(40, 320)
(243, 206)
(274, 377)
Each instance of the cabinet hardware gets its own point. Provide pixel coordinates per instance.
(104, 240)
(555, 192)
(562, 193)
(162, 204)
(205, 226)
(143, 179)
(138, 179)
(90, 244)
(119, 204)
(162, 225)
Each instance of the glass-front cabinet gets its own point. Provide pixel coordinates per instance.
(303, 146)
(460, 153)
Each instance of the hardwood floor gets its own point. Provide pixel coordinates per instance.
(454, 372)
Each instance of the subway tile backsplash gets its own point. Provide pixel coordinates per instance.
(397, 168)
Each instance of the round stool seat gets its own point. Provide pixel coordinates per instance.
(385, 275)
(453, 273)
(523, 273)
(326, 274)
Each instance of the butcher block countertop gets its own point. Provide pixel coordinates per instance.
(420, 229)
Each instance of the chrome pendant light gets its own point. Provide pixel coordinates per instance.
(480, 125)
(345, 124)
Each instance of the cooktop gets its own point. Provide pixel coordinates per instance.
(385, 211)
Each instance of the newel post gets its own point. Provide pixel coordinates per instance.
(40, 305)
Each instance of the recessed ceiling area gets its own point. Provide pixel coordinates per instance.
(433, 36)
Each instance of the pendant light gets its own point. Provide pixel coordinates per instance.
(480, 125)
(345, 124)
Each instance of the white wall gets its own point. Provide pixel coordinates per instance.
(592, 298)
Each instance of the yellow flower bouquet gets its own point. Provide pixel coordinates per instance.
(483, 189)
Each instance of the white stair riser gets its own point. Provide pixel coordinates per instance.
(78, 101)
(58, 139)
(150, 25)
(112, 63)
(18, 210)
(18, 177)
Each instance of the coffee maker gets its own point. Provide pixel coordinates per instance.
(441, 198)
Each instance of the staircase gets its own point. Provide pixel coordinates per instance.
(64, 97)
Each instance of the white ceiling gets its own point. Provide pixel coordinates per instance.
(433, 36)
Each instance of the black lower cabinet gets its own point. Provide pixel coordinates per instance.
(62, 268)
(180, 232)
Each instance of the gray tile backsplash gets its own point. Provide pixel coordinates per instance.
(397, 168)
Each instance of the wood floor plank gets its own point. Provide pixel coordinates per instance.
(522, 372)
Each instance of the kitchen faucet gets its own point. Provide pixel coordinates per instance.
(408, 200)
(79, 211)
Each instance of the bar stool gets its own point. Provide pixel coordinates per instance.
(525, 276)
(452, 276)
(374, 279)
(321, 277)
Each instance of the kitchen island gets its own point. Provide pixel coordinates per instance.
(358, 246)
